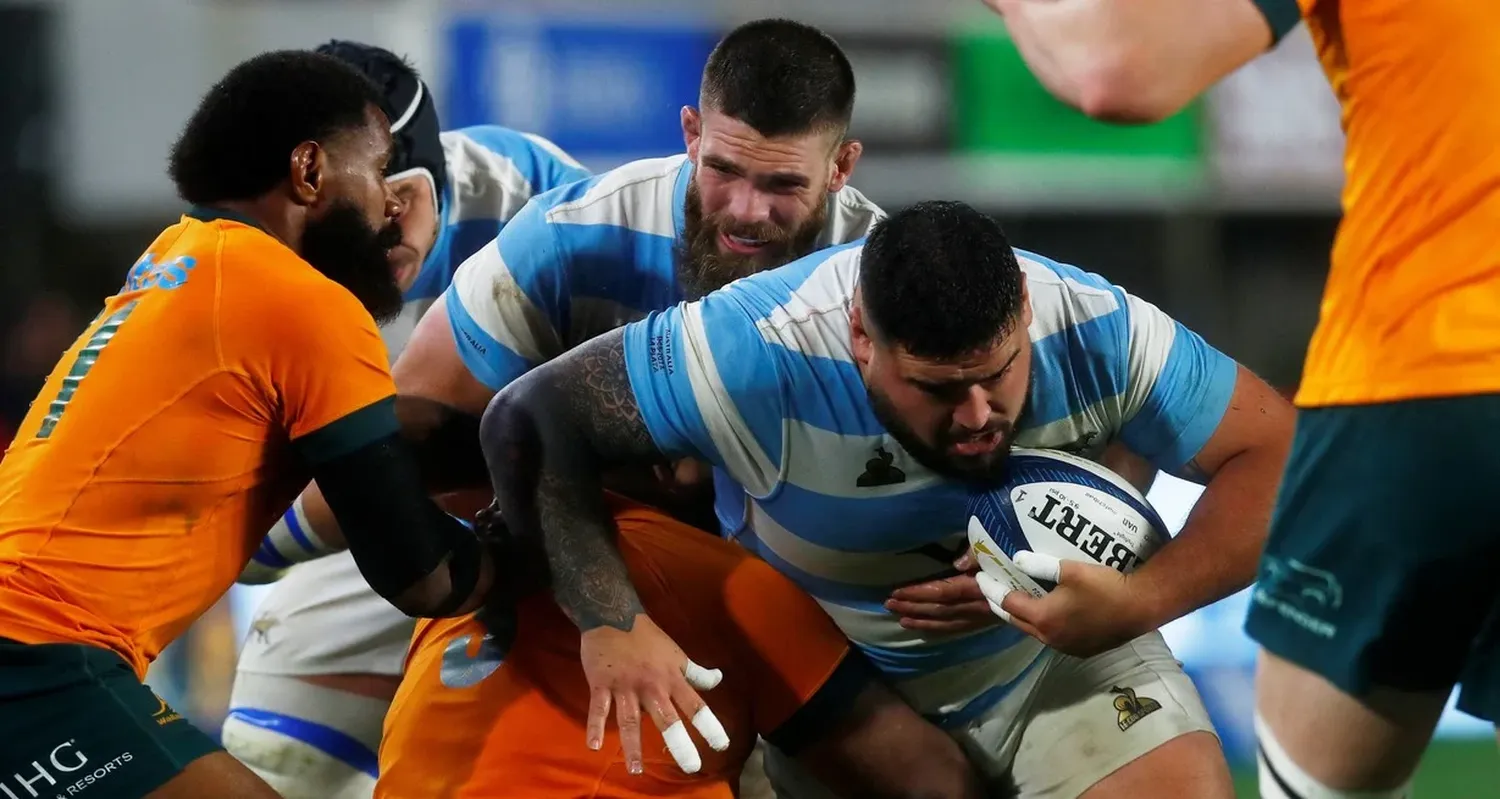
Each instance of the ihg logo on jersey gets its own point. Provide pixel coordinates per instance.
(66, 772)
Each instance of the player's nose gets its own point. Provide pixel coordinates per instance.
(394, 208)
(750, 207)
(973, 411)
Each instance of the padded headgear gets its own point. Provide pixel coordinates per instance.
(408, 105)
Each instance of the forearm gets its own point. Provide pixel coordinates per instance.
(445, 442)
(423, 561)
(548, 439)
(1137, 60)
(1218, 549)
(547, 489)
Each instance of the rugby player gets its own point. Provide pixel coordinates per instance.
(1400, 375)
(764, 180)
(325, 654)
(936, 345)
(501, 714)
(240, 359)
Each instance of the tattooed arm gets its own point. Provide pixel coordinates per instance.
(548, 438)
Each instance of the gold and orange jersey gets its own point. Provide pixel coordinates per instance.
(1412, 307)
(472, 721)
(174, 431)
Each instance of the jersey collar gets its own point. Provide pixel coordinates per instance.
(203, 213)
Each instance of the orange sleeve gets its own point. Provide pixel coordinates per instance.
(795, 647)
(320, 355)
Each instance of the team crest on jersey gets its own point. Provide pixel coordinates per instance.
(881, 470)
(1132, 708)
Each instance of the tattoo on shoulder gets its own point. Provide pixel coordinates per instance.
(589, 578)
(607, 407)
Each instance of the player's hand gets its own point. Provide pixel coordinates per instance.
(645, 669)
(951, 605)
(1093, 608)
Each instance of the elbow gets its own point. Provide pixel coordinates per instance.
(1122, 90)
(509, 421)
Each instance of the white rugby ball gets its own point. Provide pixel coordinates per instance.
(1067, 507)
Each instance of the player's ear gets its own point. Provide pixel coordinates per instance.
(309, 160)
(844, 158)
(1025, 303)
(859, 335)
(692, 131)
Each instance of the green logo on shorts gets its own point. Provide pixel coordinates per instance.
(1300, 594)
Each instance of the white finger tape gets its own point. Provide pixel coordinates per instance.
(680, 745)
(699, 677)
(994, 593)
(708, 726)
(994, 562)
(1039, 566)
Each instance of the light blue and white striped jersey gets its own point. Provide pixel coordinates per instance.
(585, 259)
(759, 379)
(492, 172)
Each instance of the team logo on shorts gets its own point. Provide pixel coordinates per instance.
(164, 714)
(1132, 708)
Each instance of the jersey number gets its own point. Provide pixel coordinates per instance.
(98, 339)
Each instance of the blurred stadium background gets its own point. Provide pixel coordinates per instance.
(1222, 215)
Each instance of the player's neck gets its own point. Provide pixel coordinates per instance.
(272, 215)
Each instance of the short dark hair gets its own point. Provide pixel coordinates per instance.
(237, 144)
(780, 77)
(940, 280)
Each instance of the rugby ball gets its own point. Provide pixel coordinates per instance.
(1064, 506)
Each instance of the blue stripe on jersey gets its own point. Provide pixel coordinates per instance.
(662, 389)
(537, 261)
(870, 598)
(491, 362)
(739, 354)
(892, 523)
(729, 505)
(612, 262)
(835, 400)
(541, 168)
(1069, 375)
(1186, 404)
(916, 661)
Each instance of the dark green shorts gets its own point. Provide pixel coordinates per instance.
(1383, 564)
(75, 721)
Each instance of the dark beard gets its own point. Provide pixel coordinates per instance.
(702, 268)
(343, 246)
(984, 471)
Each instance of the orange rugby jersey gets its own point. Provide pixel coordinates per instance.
(471, 721)
(1412, 306)
(160, 449)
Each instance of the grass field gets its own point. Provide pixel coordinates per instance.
(1452, 769)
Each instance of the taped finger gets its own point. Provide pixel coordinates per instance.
(680, 745)
(1038, 566)
(994, 593)
(708, 726)
(700, 678)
